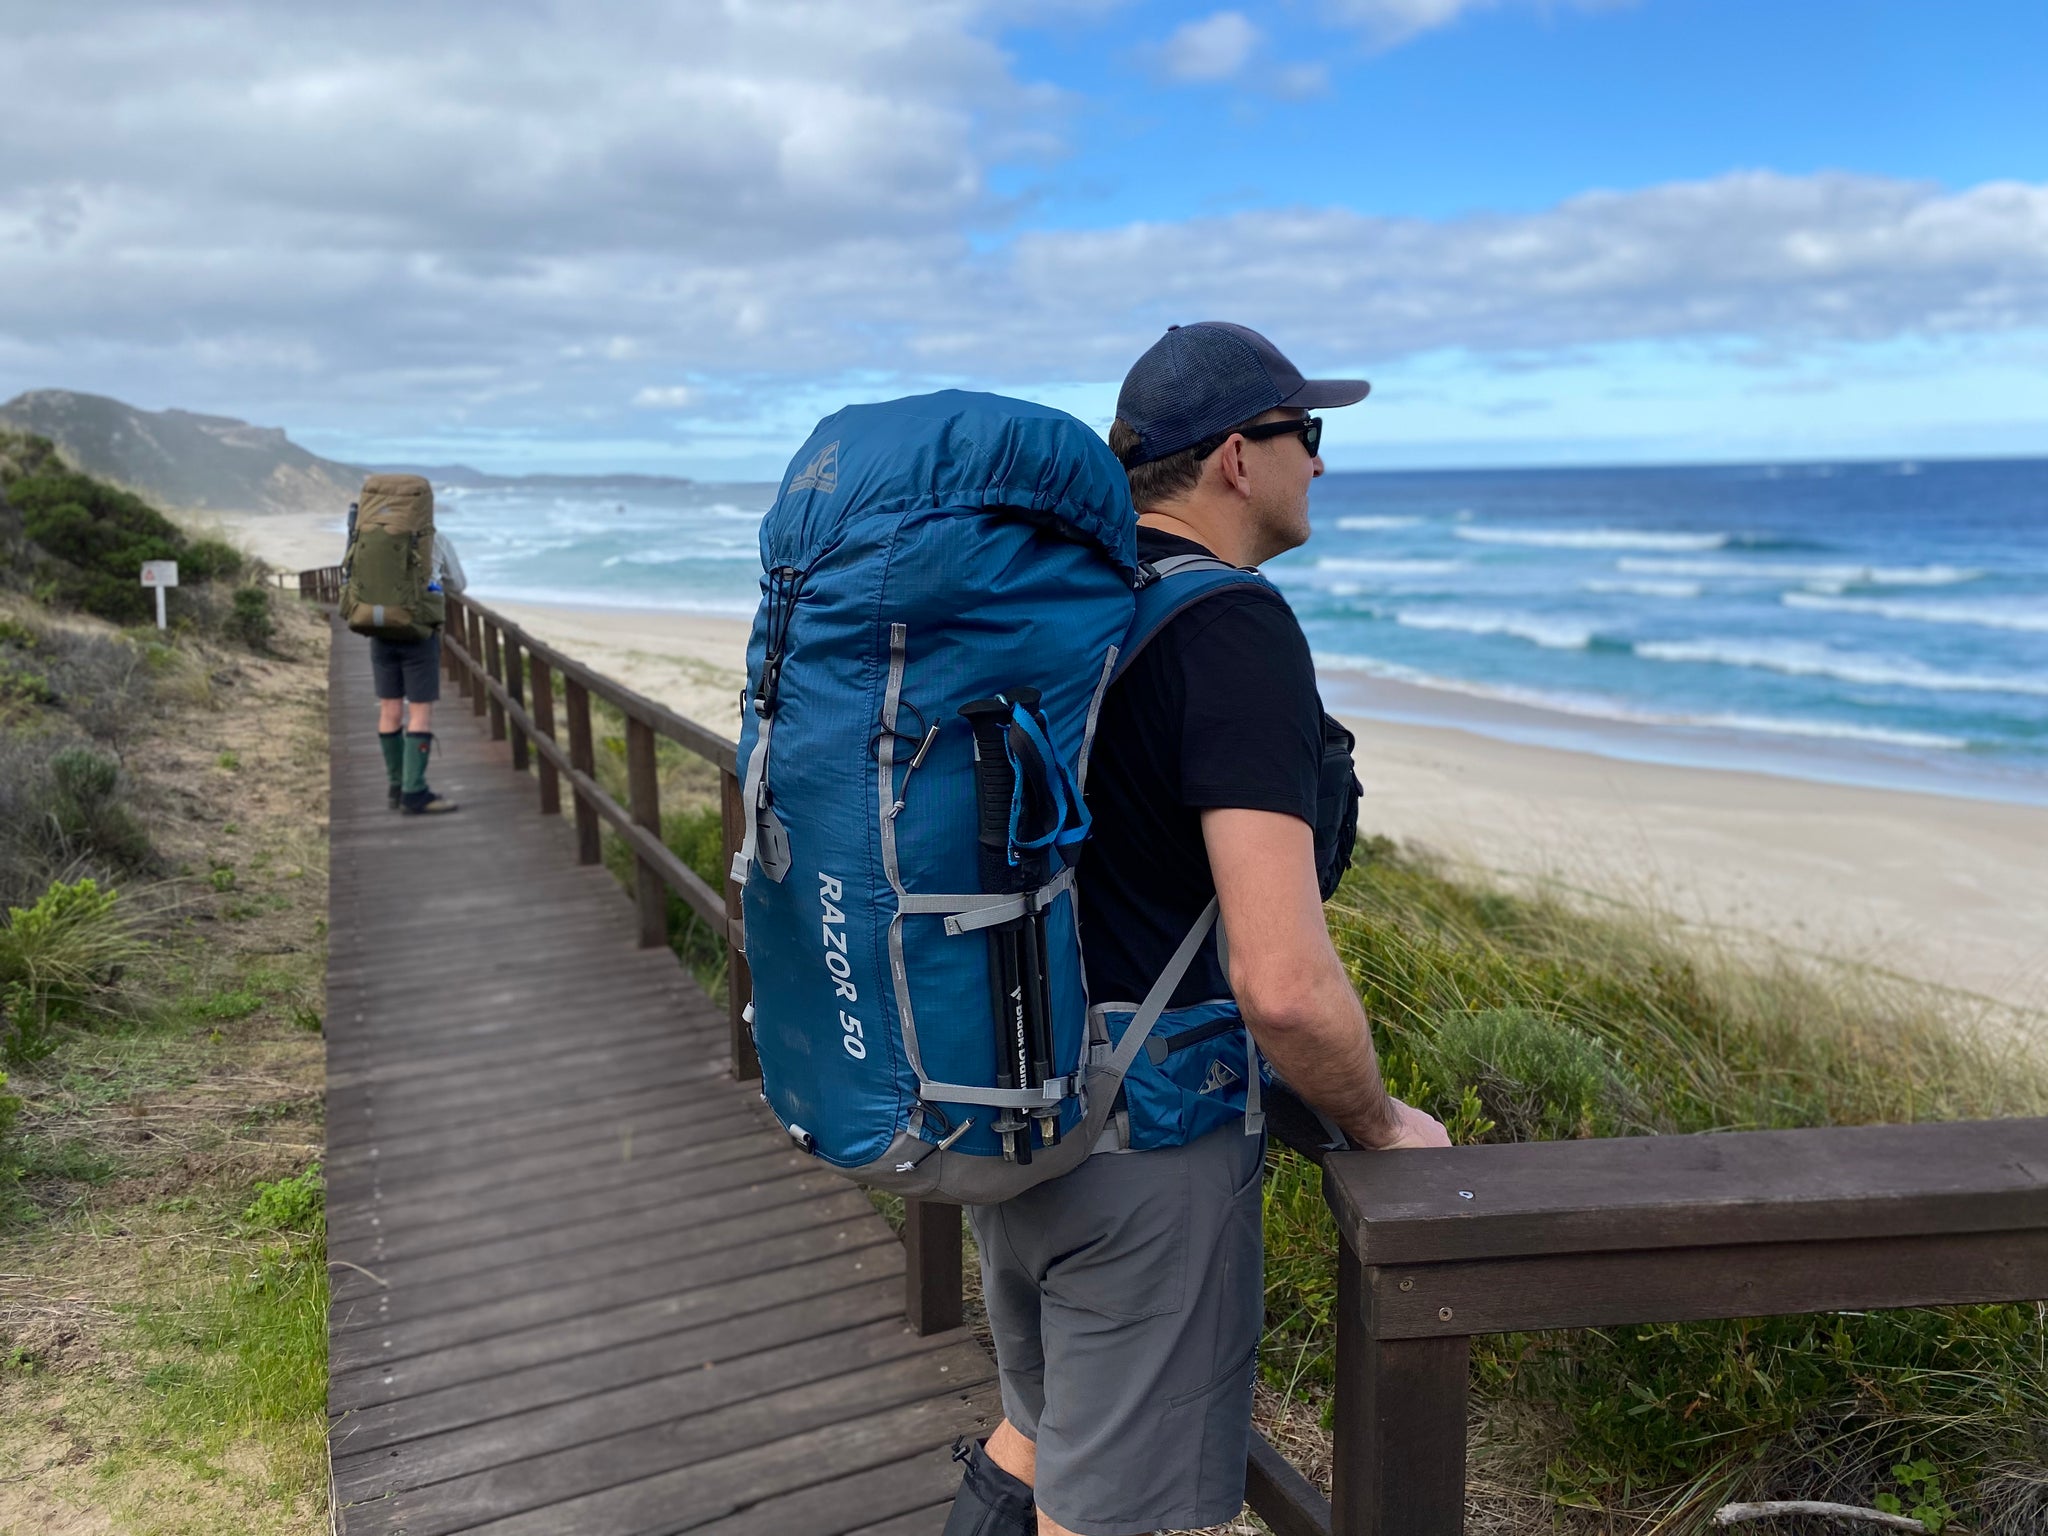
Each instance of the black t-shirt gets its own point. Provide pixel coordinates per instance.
(1219, 710)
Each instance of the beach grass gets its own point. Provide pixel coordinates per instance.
(1518, 1016)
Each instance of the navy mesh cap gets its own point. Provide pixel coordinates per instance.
(1201, 379)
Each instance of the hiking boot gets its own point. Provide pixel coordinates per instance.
(424, 802)
(397, 797)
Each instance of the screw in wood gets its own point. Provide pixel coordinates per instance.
(1443, 1314)
(1407, 1285)
(1464, 1194)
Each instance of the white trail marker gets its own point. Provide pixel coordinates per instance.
(159, 574)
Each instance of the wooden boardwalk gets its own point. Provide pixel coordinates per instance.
(583, 1284)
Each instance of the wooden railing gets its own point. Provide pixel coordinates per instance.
(1434, 1247)
(321, 585)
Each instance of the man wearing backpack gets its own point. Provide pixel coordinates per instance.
(395, 574)
(1126, 1297)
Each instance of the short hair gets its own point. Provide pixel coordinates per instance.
(1161, 480)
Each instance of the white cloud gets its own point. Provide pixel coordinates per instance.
(1215, 48)
(541, 223)
(667, 397)
(1387, 23)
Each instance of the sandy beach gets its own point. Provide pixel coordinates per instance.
(1945, 889)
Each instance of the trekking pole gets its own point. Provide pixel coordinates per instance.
(1009, 961)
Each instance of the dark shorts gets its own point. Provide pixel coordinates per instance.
(1126, 1300)
(407, 669)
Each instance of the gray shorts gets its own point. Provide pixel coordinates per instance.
(1126, 1301)
(407, 669)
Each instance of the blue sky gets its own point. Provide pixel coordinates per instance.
(668, 237)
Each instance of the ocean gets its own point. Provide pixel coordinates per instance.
(1864, 623)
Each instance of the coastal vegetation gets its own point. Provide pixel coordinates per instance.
(162, 1320)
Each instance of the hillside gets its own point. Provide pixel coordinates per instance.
(182, 459)
(193, 463)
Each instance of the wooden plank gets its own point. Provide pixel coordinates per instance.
(375, 1429)
(519, 1254)
(405, 1336)
(372, 1306)
(1687, 1191)
(705, 1491)
(663, 1400)
(736, 1425)
(1673, 1285)
(1289, 1503)
(564, 1339)
(824, 1508)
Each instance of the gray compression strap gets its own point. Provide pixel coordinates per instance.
(1134, 1034)
(885, 783)
(970, 914)
(1094, 717)
(1051, 1091)
(1175, 564)
(750, 799)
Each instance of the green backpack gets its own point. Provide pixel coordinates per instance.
(389, 568)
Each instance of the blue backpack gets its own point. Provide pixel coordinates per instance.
(950, 585)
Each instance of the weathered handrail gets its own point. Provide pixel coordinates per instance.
(1437, 1246)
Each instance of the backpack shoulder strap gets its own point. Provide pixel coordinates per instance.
(1168, 588)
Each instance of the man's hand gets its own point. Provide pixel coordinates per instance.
(1401, 1127)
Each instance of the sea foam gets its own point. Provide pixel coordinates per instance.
(1989, 615)
(1592, 538)
(1796, 658)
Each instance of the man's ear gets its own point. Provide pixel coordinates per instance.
(1231, 464)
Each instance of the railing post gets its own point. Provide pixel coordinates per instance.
(739, 979)
(494, 662)
(583, 758)
(544, 722)
(931, 1266)
(644, 783)
(1399, 1467)
(479, 695)
(452, 624)
(515, 687)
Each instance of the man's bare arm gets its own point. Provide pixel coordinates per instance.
(1289, 983)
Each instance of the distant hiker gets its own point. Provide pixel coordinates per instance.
(394, 577)
(1126, 1297)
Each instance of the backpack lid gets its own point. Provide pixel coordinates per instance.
(401, 503)
(956, 448)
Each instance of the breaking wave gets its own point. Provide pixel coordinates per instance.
(1993, 615)
(1789, 570)
(1805, 659)
(1592, 538)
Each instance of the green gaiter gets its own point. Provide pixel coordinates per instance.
(393, 743)
(418, 744)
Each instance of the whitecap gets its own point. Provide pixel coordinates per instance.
(1787, 570)
(1593, 538)
(1375, 524)
(1551, 634)
(1594, 708)
(2018, 614)
(1679, 589)
(1797, 658)
(1353, 567)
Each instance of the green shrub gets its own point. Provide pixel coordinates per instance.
(249, 621)
(55, 956)
(210, 560)
(87, 811)
(101, 534)
(297, 1204)
(1535, 1078)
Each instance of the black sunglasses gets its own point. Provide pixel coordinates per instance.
(1308, 428)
